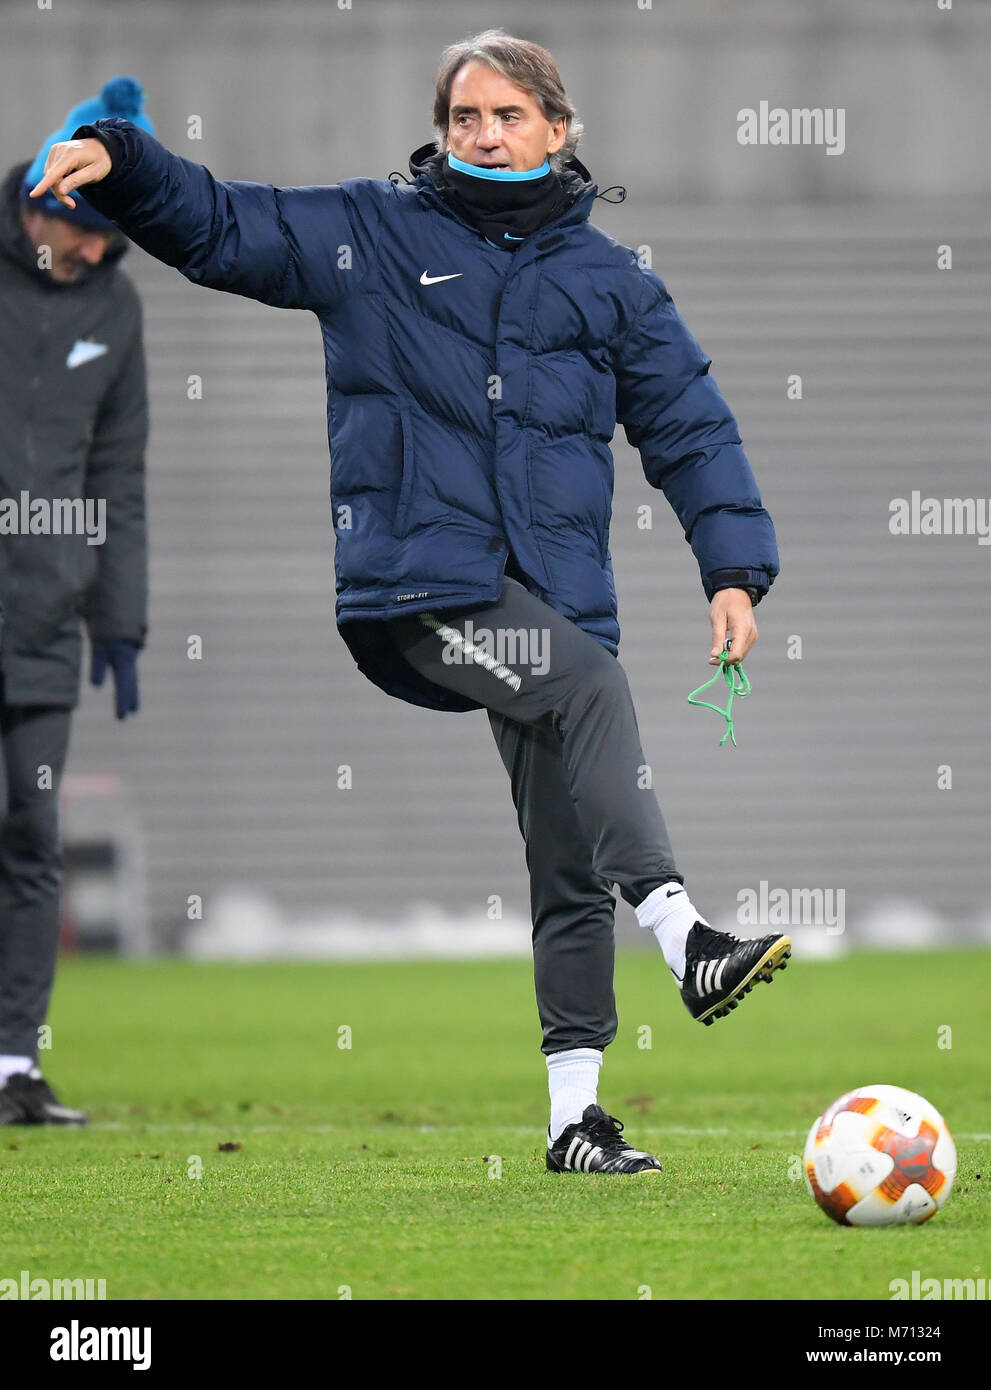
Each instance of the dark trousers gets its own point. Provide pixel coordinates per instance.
(560, 709)
(32, 739)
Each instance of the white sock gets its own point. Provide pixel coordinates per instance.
(669, 914)
(573, 1081)
(10, 1066)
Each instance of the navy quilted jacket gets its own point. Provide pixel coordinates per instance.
(471, 391)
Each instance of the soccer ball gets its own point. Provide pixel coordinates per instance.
(880, 1156)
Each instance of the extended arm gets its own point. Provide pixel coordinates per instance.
(295, 248)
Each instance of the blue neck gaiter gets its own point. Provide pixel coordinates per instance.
(505, 204)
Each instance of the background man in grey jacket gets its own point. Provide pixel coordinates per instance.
(74, 414)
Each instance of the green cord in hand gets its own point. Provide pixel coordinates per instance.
(729, 672)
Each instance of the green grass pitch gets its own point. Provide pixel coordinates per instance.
(410, 1164)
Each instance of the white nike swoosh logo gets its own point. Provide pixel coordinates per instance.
(84, 352)
(426, 279)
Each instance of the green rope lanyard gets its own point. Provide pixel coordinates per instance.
(729, 673)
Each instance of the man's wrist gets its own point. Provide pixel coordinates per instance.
(755, 595)
(738, 579)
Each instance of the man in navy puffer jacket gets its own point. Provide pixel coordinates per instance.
(482, 341)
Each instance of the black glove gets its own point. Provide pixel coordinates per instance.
(122, 656)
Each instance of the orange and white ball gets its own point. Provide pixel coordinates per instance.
(880, 1156)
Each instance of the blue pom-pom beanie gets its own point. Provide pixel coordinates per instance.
(121, 96)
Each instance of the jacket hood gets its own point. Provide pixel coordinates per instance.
(15, 245)
(427, 164)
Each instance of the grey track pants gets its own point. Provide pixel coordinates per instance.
(30, 870)
(560, 709)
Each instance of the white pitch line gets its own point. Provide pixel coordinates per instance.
(136, 1127)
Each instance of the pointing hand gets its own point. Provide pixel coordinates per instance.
(70, 164)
